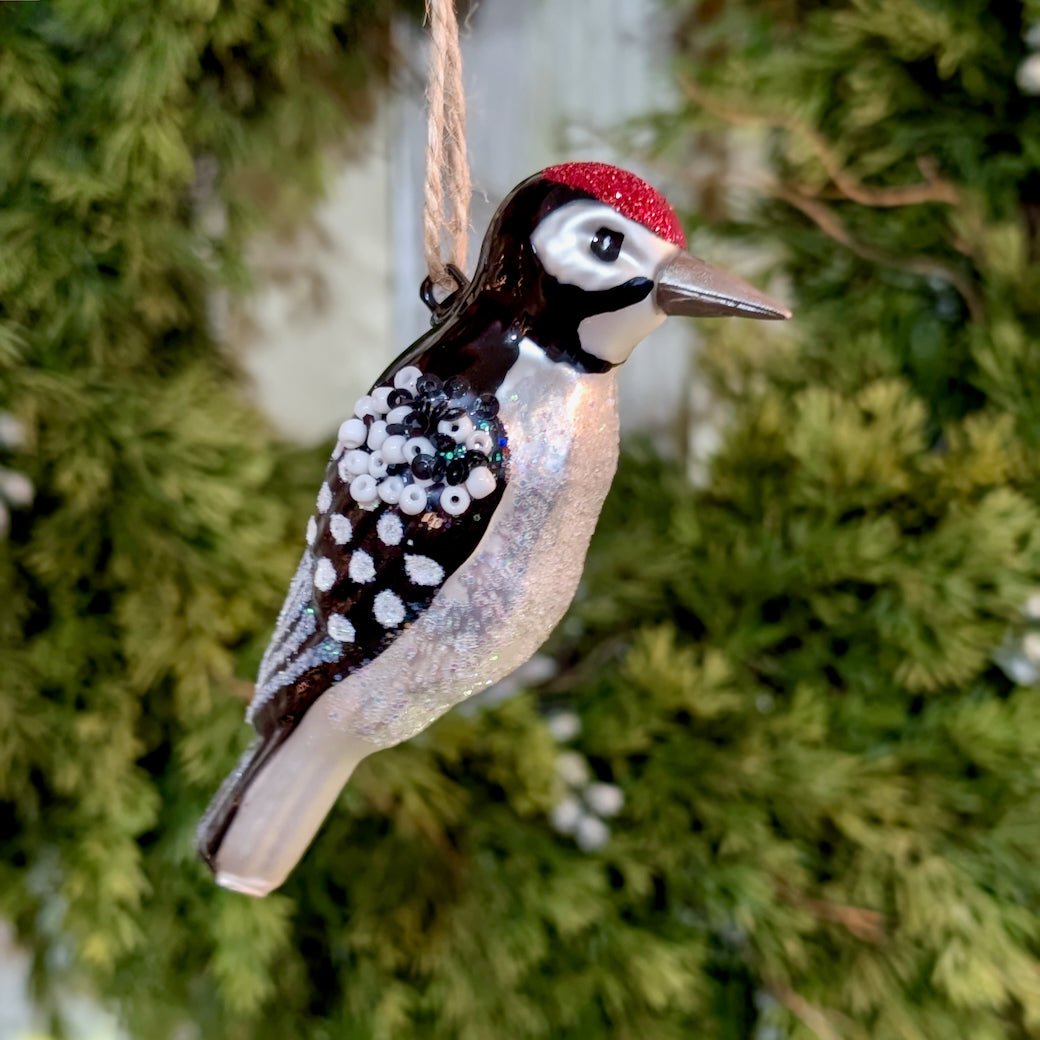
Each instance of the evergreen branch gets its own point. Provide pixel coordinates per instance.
(935, 188)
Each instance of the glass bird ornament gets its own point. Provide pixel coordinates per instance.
(451, 528)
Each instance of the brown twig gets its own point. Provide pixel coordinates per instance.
(812, 1017)
(830, 224)
(866, 925)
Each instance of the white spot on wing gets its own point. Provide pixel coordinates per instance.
(388, 609)
(341, 528)
(324, 575)
(312, 530)
(361, 569)
(340, 628)
(324, 498)
(390, 529)
(421, 570)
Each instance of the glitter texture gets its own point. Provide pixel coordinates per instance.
(630, 195)
(493, 613)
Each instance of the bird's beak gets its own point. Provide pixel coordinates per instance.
(692, 287)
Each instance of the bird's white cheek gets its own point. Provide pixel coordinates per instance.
(615, 335)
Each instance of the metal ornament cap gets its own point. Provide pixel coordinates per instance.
(690, 286)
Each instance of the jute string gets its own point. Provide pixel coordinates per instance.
(447, 187)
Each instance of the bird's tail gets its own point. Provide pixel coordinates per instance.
(271, 806)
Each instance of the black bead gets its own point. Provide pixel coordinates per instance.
(396, 429)
(453, 413)
(442, 442)
(422, 466)
(456, 387)
(415, 422)
(457, 471)
(398, 397)
(475, 458)
(427, 384)
(487, 406)
(439, 468)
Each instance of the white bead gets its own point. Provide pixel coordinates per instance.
(377, 465)
(388, 609)
(324, 498)
(390, 529)
(480, 440)
(353, 433)
(364, 407)
(377, 434)
(312, 530)
(393, 449)
(324, 575)
(480, 482)
(458, 429)
(418, 446)
(604, 799)
(361, 569)
(342, 529)
(356, 461)
(398, 414)
(363, 489)
(340, 628)
(454, 501)
(379, 398)
(390, 489)
(405, 379)
(412, 501)
(421, 570)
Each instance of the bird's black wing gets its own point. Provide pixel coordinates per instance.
(408, 494)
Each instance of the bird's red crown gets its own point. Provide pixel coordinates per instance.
(630, 195)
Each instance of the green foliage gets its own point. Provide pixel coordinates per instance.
(831, 817)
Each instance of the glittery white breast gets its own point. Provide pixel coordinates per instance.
(497, 609)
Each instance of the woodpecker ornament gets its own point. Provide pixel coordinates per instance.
(451, 529)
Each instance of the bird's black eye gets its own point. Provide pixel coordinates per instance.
(606, 244)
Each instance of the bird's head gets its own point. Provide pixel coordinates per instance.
(595, 259)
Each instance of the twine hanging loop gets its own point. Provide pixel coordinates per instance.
(447, 186)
